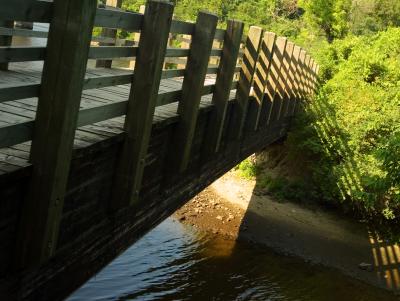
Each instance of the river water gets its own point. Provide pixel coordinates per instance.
(178, 262)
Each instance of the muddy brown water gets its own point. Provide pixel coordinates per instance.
(178, 262)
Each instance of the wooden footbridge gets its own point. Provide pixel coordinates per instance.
(92, 158)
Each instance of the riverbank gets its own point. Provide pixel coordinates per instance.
(229, 207)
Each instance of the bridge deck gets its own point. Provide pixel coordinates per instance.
(75, 209)
(23, 110)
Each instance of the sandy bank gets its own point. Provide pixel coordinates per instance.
(229, 207)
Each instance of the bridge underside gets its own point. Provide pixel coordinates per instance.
(89, 237)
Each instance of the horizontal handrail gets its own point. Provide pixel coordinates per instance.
(22, 132)
(41, 11)
(28, 53)
(21, 91)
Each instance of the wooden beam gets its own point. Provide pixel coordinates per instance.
(196, 69)
(142, 102)
(314, 78)
(108, 33)
(302, 79)
(5, 41)
(285, 80)
(246, 78)
(259, 107)
(57, 115)
(226, 72)
(276, 88)
(302, 60)
(307, 75)
(295, 80)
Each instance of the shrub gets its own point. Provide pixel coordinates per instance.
(350, 131)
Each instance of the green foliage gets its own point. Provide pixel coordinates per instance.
(248, 168)
(350, 131)
(308, 22)
(330, 15)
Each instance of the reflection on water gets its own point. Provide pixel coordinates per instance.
(176, 262)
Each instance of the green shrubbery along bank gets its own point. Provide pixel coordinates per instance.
(350, 133)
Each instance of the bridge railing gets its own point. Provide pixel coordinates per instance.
(274, 72)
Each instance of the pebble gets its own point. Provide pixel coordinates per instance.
(219, 217)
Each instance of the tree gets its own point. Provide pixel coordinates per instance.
(331, 16)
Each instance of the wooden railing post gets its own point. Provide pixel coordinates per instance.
(141, 104)
(246, 79)
(277, 82)
(259, 108)
(57, 113)
(302, 62)
(196, 70)
(317, 83)
(302, 80)
(310, 75)
(5, 40)
(307, 75)
(223, 84)
(314, 77)
(285, 81)
(109, 33)
(295, 79)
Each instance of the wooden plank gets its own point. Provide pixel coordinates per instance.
(103, 52)
(173, 73)
(21, 54)
(259, 108)
(142, 102)
(94, 82)
(302, 89)
(5, 40)
(285, 78)
(181, 27)
(101, 113)
(196, 70)
(177, 52)
(295, 80)
(316, 72)
(277, 84)
(4, 31)
(216, 52)
(57, 114)
(314, 77)
(220, 34)
(15, 134)
(307, 86)
(18, 92)
(246, 79)
(21, 91)
(108, 33)
(310, 76)
(23, 10)
(24, 54)
(227, 69)
(108, 18)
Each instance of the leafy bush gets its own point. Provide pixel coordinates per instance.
(350, 131)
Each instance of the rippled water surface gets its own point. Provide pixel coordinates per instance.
(176, 262)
